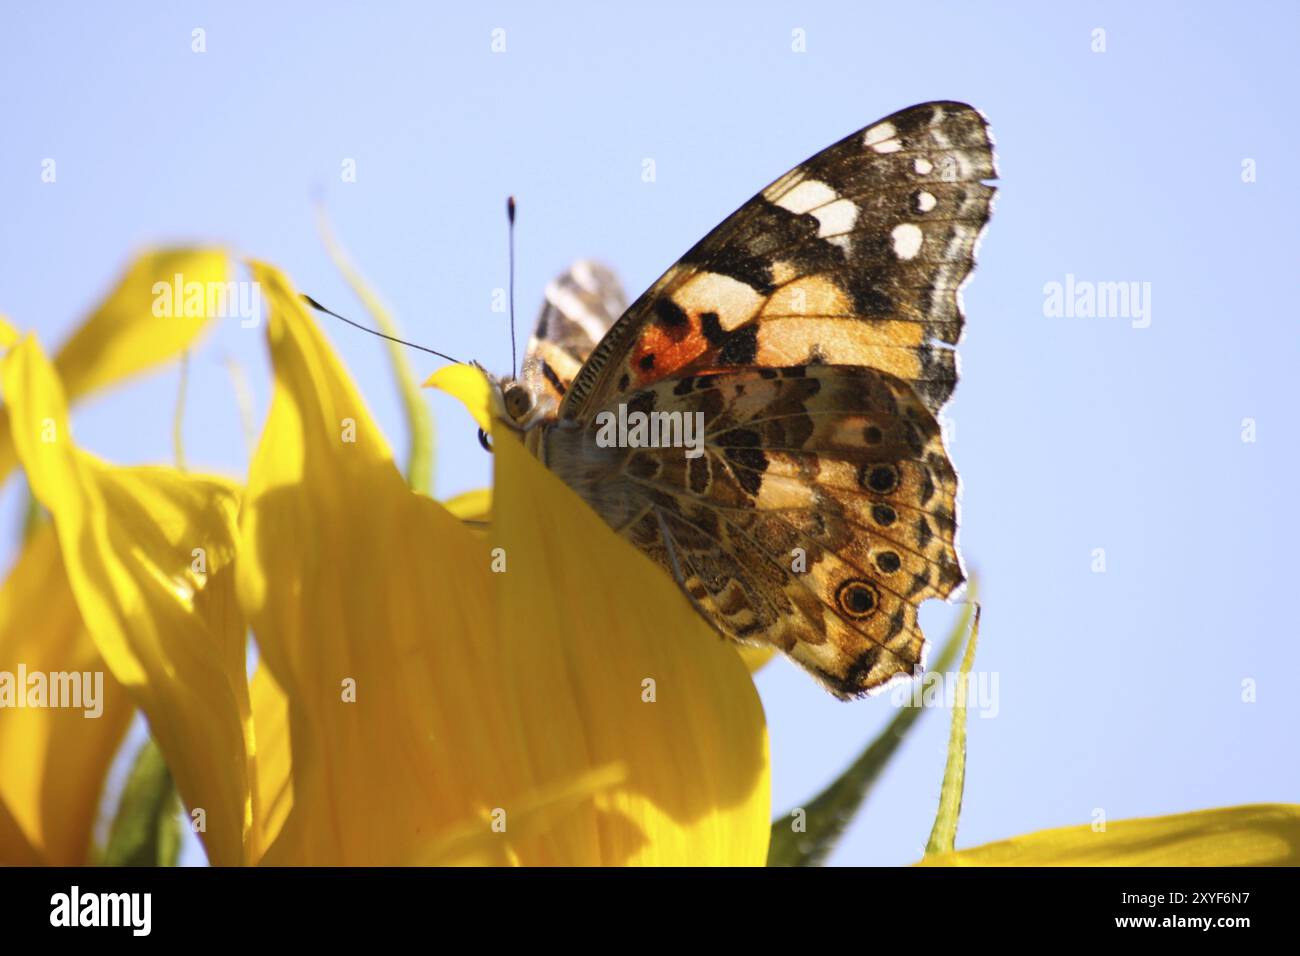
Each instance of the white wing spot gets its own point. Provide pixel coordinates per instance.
(907, 240)
(834, 215)
(882, 138)
(878, 134)
(925, 201)
(922, 166)
(837, 217)
(807, 195)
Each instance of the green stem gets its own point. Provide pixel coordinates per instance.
(944, 834)
(419, 422)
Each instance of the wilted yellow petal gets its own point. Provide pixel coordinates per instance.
(610, 664)
(1254, 835)
(149, 555)
(55, 759)
(126, 336)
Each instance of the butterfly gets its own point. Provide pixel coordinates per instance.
(810, 338)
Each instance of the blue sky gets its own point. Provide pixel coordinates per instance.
(1119, 690)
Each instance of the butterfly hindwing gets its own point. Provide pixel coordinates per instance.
(817, 518)
(581, 305)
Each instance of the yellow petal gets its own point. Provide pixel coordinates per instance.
(368, 602)
(476, 843)
(469, 385)
(55, 758)
(591, 629)
(124, 336)
(1254, 835)
(273, 758)
(478, 696)
(149, 555)
(15, 848)
(8, 334)
(472, 506)
(755, 657)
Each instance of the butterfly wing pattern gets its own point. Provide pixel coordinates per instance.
(812, 334)
(580, 307)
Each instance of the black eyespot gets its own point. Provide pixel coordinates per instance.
(881, 479)
(883, 515)
(872, 435)
(857, 598)
(888, 562)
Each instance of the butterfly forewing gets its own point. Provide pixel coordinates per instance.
(855, 257)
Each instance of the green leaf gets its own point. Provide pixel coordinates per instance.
(828, 815)
(944, 833)
(147, 828)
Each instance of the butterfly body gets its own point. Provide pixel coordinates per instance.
(799, 355)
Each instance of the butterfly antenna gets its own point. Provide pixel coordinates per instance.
(383, 335)
(510, 215)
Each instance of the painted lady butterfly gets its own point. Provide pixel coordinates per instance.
(811, 334)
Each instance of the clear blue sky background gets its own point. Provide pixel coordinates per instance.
(1119, 690)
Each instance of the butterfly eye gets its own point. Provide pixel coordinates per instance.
(518, 401)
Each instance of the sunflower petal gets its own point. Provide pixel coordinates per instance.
(474, 844)
(470, 386)
(472, 506)
(15, 848)
(470, 716)
(149, 555)
(611, 665)
(55, 759)
(123, 336)
(1254, 835)
(368, 602)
